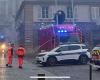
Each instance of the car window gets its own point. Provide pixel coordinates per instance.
(73, 47)
(84, 47)
(96, 48)
(63, 48)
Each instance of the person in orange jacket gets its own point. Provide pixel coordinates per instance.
(21, 52)
(10, 55)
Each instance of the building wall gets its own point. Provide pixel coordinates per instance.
(83, 13)
(52, 10)
(28, 13)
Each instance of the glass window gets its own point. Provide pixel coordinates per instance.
(69, 12)
(96, 48)
(95, 12)
(74, 47)
(84, 47)
(44, 12)
(70, 38)
(63, 48)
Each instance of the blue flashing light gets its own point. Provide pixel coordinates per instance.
(59, 31)
(1, 36)
(65, 31)
(62, 31)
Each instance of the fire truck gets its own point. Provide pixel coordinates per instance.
(52, 36)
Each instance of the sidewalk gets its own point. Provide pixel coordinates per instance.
(15, 73)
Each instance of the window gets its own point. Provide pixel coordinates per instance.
(95, 12)
(69, 12)
(63, 48)
(96, 48)
(44, 12)
(74, 47)
(84, 47)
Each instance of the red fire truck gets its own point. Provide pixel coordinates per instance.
(52, 36)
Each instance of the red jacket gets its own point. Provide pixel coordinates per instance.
(21, 51)
(10, 52)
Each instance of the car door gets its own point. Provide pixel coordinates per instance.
(61, 52)
(68, 52)
(73, 52)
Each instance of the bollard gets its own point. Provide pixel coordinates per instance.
(41, 75)
(90, 72)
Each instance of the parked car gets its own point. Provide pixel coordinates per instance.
(77, 52)
(96, 56)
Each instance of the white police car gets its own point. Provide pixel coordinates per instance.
(64, 52)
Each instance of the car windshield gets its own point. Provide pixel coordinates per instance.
(96, 48)
(84, 47)
(71, 38)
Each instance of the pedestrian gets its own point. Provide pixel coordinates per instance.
(10, 52)
(21, 52)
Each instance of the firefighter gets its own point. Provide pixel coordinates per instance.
(20, 52)
(10, 55)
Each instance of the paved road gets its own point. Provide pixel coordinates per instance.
(76, 72)
(15, 73)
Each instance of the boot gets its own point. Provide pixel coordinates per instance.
(6, 65)
(20, 67)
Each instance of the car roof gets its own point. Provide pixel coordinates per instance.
(96, 48)
(72, 44)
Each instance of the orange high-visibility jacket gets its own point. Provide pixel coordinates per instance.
(21, 51)
(10, 51)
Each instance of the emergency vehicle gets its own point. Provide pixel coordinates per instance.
(64, 53)
(52, 36)
(96, 56)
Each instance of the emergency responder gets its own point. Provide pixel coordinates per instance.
(20, 52)
(10, 52)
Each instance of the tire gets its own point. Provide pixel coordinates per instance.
(51, 61)
(83, 59)
(98, 69)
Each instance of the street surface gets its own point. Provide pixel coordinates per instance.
(15, 73)
(76, 72)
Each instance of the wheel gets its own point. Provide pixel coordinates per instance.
(98, 69)
(83, 59)
(51, 61)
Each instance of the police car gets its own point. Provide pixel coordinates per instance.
(66, 52)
